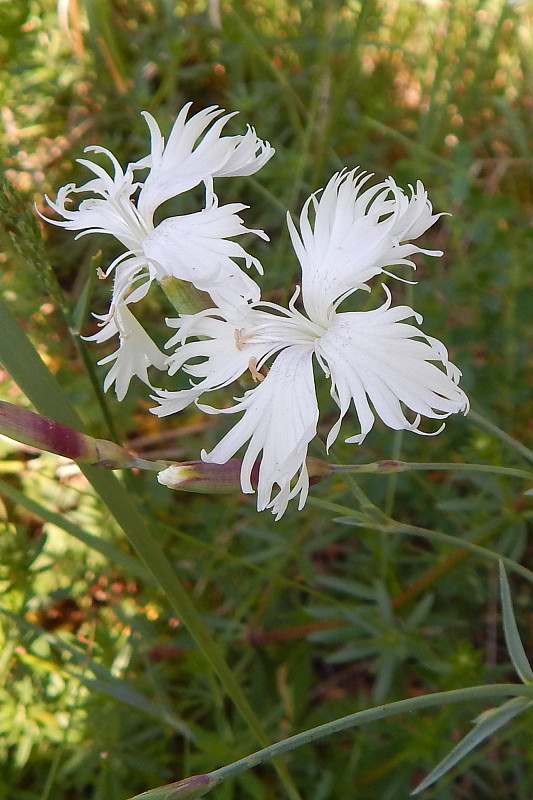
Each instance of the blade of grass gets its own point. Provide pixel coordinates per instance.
(486, 724)
(512, 636)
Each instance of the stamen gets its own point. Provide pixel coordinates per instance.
(100, 274)
(241, 337)
(257, 376)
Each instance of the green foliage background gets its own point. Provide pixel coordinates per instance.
(103, 692)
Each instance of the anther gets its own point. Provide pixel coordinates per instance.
(257, 376)
(239, 338)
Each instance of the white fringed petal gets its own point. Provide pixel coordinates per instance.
(197, 248)
(222, 364)
(381, 364)
(279, 420)
(249, 154)
(225, 350)
(112, 211)
(352, 234)
(414, 214)
(136, 352)
(184, 162)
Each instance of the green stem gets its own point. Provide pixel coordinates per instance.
(372, 516)
(394, 527)
(483, 552)
(388, 467)
(364, 717)
(198, 785)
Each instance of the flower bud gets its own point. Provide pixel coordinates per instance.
(317, 469)
(208, 478)
(203, 478)
(54, 437)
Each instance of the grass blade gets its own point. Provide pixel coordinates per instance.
(485, 725)
(512, 636)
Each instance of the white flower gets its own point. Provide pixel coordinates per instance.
(196, 247)
(193, 247)
(374, 359)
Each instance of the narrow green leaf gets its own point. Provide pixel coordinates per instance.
(81, 310)
(485, 725)
(371, 715)
(419, 612)
(512, 636)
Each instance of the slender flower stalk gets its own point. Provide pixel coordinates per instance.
(389, 467)
(202, 477)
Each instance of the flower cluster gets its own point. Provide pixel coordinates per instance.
(348, 233)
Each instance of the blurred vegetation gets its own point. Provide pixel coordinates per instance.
(102, 691)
